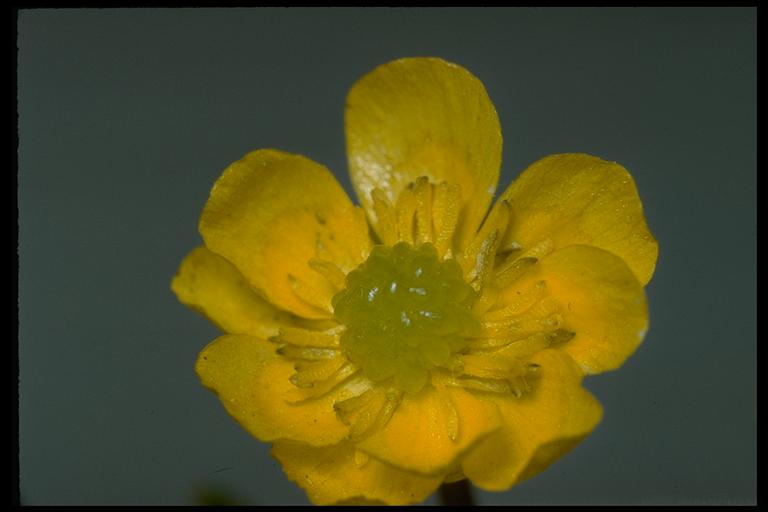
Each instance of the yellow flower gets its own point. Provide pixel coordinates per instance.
(420, 338)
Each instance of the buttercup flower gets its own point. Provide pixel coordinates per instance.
(422, 337)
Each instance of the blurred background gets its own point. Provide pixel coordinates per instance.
(127, 117)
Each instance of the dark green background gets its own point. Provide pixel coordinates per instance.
(127, 117)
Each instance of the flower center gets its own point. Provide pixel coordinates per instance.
(405, 312)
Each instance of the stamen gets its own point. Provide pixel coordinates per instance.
(449, 410)
(445, 215)
(553, 321)
(511, 247)
(346, 409)
(522, 325)
(489, 295)
(525, 346)
(306, 353)
(320, 388)
(369, 412)
(539, 250)
(524, 338)
(357, 385)
(544, 308)
(311, 296)
(393, 397)
(308, 338)
(423, 193)
(365, 419)
(485, 344)
(512, 269)
(496, 222)
(560, 336)
(493, 366)
(374, 413)
(386, 217)
(406, 210)
(484, 261)
(361, 459)
(521, 304)
(519, 386)
(479, 384)
(516, 382)
(317, 324)
(329, 271)
(531, 344)
(307, 374)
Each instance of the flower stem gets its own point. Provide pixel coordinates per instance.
(457, 494)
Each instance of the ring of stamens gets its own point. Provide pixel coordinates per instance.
(405, 312)
(412, 315)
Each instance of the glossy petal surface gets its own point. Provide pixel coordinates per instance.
(334, 474)
(418, 437)
(213, 286)
(580, 199)
(253, 384)
(270, 213)
(455, 349)
(538, 427)
(424, 117)
(600, 301)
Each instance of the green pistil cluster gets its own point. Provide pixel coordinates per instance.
(406, 312)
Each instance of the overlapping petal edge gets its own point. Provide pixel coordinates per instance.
(560, 262)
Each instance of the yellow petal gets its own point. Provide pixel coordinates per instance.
(581, 199)
(424, 117)
(539, 427)
(252, 384)
(270, 213)
(600, 301)
(213, 286)
(426, 434)
(334, 474)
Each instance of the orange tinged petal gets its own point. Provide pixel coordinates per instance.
(333, 474)
(424, 117)
(252, 384)
(270, 213)
(580, 199)
(427, 434)
(213, 286)
(601, 302)
(538, 427)
(560, 263)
